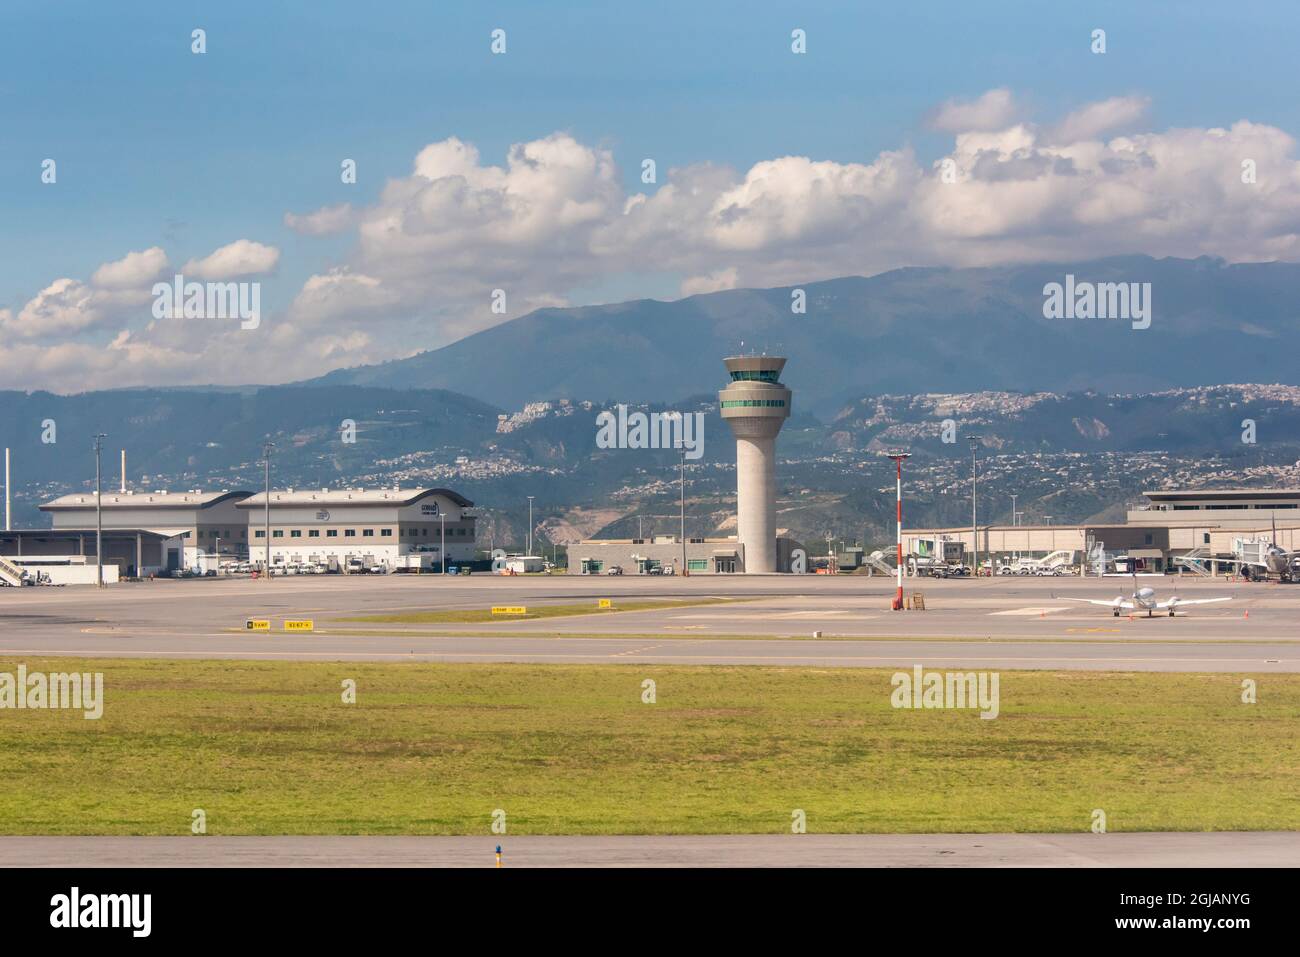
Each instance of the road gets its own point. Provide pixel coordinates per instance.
(1252, 849)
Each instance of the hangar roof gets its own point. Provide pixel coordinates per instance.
(196, 498)
(1240, 494)
(352, 496)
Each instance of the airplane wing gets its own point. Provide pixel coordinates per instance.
(1104, 602)
(1180, 602)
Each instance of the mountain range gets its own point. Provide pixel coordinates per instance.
(1074, 416)
(905, 331)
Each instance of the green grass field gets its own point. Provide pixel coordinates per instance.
(270, 748)
(469, 615)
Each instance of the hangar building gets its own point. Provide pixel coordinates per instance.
(392, 527)
(144, 532)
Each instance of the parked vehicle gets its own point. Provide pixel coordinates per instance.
(614, 570)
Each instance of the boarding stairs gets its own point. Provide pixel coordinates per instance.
(875, 563)
(1197, 561)
(10, 573)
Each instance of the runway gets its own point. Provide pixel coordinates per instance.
(1252, 849)
(999, 623)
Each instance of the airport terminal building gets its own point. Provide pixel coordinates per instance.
(1193, 530)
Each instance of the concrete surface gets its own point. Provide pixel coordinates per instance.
(1260, 849)
(999, 623)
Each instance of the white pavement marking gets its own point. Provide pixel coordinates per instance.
(1030, 611)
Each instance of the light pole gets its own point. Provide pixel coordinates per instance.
(99, 521)
(442, 538)
(530, 525)
(898, 461)
(682, 489)
(974, 524)
(218, 554)
(1013, 509)
(266, 505)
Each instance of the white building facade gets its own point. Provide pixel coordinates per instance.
(344, 528)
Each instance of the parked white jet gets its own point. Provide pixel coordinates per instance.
(1274, 561)
(1144, 599)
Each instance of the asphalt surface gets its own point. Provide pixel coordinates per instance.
(999, 623)
(1253, 849)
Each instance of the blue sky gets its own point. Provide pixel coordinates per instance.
(159, 147)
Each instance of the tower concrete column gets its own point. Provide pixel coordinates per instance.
(755, 406)
(756, 501)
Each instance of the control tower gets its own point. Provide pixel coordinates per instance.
(756, 405)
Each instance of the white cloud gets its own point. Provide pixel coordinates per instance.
(713, 282)
(1101, 117)
(132, 270)
(240, 258)
(994, 110)
(63, 308)
(554, 218)
(327, 221)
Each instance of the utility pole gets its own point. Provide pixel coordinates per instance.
(530, 525)
(218, 554)
(1013, 509)
(974, 524)
(99, 518)
(266, 513)
(442, 540)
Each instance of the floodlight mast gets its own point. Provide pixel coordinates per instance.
(898, 458)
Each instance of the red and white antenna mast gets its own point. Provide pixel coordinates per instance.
(898, 458)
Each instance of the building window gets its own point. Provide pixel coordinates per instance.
(277, 533)
(349, 533)
(367, 533)
(753, 404)
(1148, 539)
(296, 533)
(386, 531)
(697, 564)
(331, 533)
(259, 534)
(313, 533)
